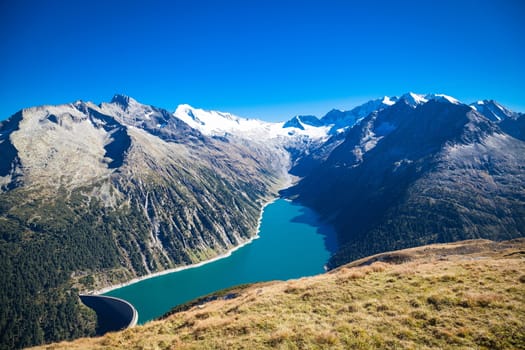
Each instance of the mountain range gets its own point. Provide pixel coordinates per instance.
(93, 195)
(425, 170)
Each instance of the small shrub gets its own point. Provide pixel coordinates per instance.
(368, 304)
(326, 338)
(463, 332)
(306, 296)
(405, 334)
(444, 334)
(279, 336)
(414, 303)
(237, 330)
(378, 266)
(382, 307)
(419, 315)
(202, 316)
(439, 301)
(352, 308)
(432, 321)
(481, 300)
(355, 275)
(447, 278)
(290, 290)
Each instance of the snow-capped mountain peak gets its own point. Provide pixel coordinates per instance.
(302, 121)
(414, 100)
(342, 120)
(389, 101)
(492, 110)
(221, 124)
(443, 98)
(214, 123)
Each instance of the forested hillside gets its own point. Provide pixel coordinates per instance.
(97, 195)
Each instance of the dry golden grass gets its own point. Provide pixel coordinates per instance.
(462, 296)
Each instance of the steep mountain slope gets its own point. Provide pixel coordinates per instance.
(418, 173)
(463, 295)
(94, 195)
(339, 122)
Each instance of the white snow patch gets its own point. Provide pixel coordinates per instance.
(414, 99)
(442, 96)
(388, 101)
(219, 123)
(417, 99)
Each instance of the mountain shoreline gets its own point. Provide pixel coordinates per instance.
(287, 181)
(464, 294)
(187, 267)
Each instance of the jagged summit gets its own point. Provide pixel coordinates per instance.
(492, 110)
(414, 99)
(341, 120)
(218, 123)
(299, 121)
(389, 100)
(123, 100)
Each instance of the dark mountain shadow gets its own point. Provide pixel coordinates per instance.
(117, 149)
(515, 127)
(8, 152)
(310, 217)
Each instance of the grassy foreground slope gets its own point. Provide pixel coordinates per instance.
(469, 294)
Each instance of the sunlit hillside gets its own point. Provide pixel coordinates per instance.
(467, 295)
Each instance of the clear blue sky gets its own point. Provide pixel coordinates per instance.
(269, 59)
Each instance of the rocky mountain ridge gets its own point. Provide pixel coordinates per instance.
(420, 171)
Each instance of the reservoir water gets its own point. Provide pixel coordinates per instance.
(293, 243)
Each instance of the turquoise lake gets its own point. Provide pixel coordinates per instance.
(293, 243)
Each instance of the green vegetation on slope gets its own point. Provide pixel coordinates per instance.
(51, 249)
(95, 195)
(463, 295)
